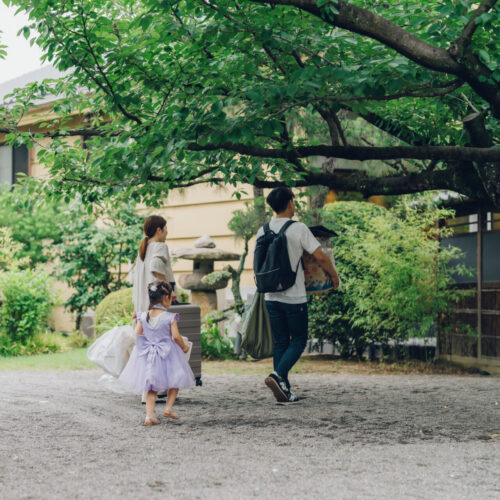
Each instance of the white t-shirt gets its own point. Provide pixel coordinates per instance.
(298, 239)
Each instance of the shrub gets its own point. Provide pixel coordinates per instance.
(9, 249)
(396, 278)
(36, 225)
(76, 340)
(27, 299)
(329, 320)
(214, 345)
(40, 343)
(115, 309)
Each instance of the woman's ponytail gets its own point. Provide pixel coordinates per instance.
(151, 224)
(143, 247)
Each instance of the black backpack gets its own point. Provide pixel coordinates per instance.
(271, 263)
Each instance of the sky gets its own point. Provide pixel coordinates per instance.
(21, 58)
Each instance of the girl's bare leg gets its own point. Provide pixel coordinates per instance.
(171, 397)
(150, 408)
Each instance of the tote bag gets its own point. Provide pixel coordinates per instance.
(112, 349)
(256, 331)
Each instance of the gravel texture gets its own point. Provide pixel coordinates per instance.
(65, 436)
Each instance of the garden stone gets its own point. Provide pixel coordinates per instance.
(204, 242)
(203, 256)
(87, 325)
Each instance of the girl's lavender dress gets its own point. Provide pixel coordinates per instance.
(157, 363)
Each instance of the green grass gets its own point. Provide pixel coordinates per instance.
(69, 360)
(76, 359)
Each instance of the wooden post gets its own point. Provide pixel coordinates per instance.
(479, 268)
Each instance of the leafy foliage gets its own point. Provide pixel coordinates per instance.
(396, 278)
(9, 251)
(115, 309)
(190, 91)
(214, 345)
(216, 279)
(27, 299)
(92, 253)
(329, 319)
(3, 52)
(35, 224)
(40, 343)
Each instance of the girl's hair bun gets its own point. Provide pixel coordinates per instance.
(157, 289)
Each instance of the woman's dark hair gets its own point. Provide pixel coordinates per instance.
(278, 198)
(156, 291)
(151, 224)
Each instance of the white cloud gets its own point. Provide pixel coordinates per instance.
(21, 58)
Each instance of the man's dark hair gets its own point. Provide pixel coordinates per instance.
(278, 198)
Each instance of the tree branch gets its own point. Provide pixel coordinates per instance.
(362, 153)
(411, 183)
(464, 40)
(111, 91)
(362, 21)
(454, 85)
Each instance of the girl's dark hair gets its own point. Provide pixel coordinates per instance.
(151, 224)
(278, 198)
(156, 291)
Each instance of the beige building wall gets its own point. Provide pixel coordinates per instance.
(200, 210)
(190, 213)
(60, 320)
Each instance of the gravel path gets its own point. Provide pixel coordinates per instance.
(63, 436)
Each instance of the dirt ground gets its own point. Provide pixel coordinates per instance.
(65, 436)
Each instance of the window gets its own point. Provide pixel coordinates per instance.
(13, 161)
(492, 221)
(463, 224)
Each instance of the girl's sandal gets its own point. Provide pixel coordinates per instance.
(151, 421)
(170, 414)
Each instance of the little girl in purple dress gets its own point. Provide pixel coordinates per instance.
(157, 362)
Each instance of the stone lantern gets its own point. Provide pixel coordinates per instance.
(203, 255)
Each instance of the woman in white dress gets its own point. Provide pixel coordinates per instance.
(152, 263)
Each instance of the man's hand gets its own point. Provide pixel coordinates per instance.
(134, 316)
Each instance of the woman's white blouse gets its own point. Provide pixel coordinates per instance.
(157, 260)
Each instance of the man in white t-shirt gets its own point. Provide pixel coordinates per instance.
(288, 309)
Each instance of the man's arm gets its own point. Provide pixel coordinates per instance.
(326, 263)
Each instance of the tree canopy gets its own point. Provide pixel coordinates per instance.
(179, 92)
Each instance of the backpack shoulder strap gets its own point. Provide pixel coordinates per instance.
(266, 228)
(286, 225)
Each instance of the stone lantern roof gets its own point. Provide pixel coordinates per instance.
(204, 251)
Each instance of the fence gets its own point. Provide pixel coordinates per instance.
(471, 334)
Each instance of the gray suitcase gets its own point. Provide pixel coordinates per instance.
(190, 327)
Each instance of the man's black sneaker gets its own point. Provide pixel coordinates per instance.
(278, 386)
(292, 398)
(287, 382)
